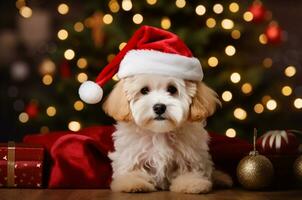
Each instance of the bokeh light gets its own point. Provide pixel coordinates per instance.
(230, 133)
(240, 114)
(74, 126)
(227, 96)
(200, 10)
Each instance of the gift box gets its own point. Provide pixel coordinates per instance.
(21, 165)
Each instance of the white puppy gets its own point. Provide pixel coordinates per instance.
(160, 141)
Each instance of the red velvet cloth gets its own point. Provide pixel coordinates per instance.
(80, 159)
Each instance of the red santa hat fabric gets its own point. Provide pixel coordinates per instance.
(149, 51)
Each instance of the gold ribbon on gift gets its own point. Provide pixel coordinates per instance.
(11, 164)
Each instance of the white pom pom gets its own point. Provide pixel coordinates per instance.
(90, 92)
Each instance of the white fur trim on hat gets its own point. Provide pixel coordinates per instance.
(90, 92)
(156, 62)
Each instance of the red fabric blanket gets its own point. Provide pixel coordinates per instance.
(79, 160)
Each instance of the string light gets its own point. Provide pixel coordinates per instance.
(82, 77)
(227, 24)
(263, 39)
(286, 90)
(240, 114)
(74, 126)
(258, 108)
(122, 45)
(246, 88)
(265, 99)
(211, 22)
(114, 6)
(126, 5)
(137, 18)
(47, 67)
(62, 34)
(227, 96)
(180, 3)
(234, 7)
(290, 71)
(26, 12)
(267, 62)
(235, 77)
(69, 54)
(78, 27)
(20, 3)
(200, 10)
(298, 103)
(151, 2)
(218, 8)
(236, 34)
(165, 23)
(23, 117)
(230, 50)
(213, 61)
(63, 9)
(82, 63)
(47, 79)
(107, 19)
(248, 16)
(51, 111)
(115, 78)
(78, 105)
(230, 133)
(271, 104)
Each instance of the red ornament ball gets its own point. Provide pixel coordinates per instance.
(32, 110)
(273, 33)
(278, 142)
(258, 11)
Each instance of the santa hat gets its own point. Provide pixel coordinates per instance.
(150, 51)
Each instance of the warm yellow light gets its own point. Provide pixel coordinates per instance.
(20, 3)
(227, 96)
(122, 45)
(263, 39)
(26, 12)
(47, 79)
(246, 88)
(82, 63)
(230, 133)
(213, 61)
(51, 111)
(267, 62)
(286, 90)
(290, 71)
(110, 57)
(62, 34)
(63, 9)
(211, 22)
(236, 34)
(235, 77)
(227, 24)
(298, 103)
(165, 23)
(107, 19)
(137, 18)
(230, 50)
(78, 105)
(126, 5)
(74, 126)
(218, 8)
(115, 78)
(180, 3)
(248, 16)
(47, 67)
(114, 6)
(82, 77)
(240, 114)
(78, 27)
(151, 2)
(265, 99)
(23, 117)
(271, 104)
(200, 10)
(44, 129)
(258, 108)
(234, 7)
(69, 54)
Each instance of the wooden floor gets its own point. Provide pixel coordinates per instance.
(234, 194)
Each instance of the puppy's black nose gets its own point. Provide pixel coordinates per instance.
(159, 108)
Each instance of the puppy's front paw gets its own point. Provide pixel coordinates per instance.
(192, 185)
(131, 183)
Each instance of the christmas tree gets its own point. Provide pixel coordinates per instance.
(236, 42)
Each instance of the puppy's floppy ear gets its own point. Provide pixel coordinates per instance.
(116, 105)
(203, 103)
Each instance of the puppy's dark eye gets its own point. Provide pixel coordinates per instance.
(172, 89)
(145, 90)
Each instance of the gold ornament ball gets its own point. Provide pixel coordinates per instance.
(298, 169)
(255, 172)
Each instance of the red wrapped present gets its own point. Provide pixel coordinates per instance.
(21, 165)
